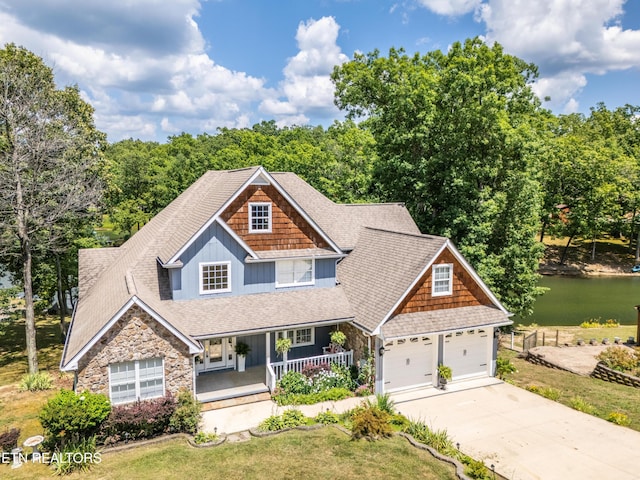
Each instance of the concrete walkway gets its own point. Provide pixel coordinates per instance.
(523, 434)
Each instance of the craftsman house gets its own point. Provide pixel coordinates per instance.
(247, 256)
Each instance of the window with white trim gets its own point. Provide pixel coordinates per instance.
(442, 277)
(260, 217)
(215, 277)
(299, 337)
(137, 380)
(290, 273)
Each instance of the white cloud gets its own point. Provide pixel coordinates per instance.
(307, 85)
(565, 38)
(141, 64)
(451, 7)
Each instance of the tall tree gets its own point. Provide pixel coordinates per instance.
(457, 137)
(49, 167)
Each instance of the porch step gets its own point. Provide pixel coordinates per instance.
(232, 402)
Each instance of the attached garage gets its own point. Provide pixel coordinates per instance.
(467, 352)
(408, 362)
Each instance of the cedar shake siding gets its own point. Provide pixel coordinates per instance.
(288, 229)
(466, 292)
(135, 336)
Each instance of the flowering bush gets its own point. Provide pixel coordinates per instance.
(619, 358)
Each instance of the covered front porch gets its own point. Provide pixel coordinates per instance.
(219, 385)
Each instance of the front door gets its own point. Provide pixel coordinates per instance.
(218, 353)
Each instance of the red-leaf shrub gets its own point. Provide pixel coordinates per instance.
(143, 419)
(9, 439)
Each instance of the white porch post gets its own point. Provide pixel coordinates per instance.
(268, 344)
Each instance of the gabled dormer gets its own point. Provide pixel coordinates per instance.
(259, 240)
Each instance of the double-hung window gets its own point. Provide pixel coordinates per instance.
(294, 273)
(215, 277)
(136, 380)
(299, 337)
(260, 217)
(442, 279)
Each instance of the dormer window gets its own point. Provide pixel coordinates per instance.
(442, 277)
(260, 217)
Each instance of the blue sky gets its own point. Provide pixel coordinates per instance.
(155, 68)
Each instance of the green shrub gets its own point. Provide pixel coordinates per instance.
(75, 456)
(333, 395)
(187, 415)
(580, 404)
(476, 469)
(621, 359)
(204, 437)
(327, 418)
(504, 367)
(9, 439)
(438, 439)
(384, 403)
(142, 419)
(371, 423)
(293, 418)
(294, 383)
(399, 421)
(546, 392)
(70, 417)
(34, 382)
(289, 419)
(619, 418)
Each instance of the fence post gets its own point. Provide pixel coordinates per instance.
(512, 335)
(543, 338)
(557, 336)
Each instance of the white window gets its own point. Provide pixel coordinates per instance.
(215, 277)
(291, 273)
(442, 279)
(299, 337)
(138, 380)
(260, 217)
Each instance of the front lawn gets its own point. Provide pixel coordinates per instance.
(322, 453)
(606, 397)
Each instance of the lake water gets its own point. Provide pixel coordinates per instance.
(572, 300)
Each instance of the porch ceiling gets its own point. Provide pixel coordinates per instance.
(436, 321)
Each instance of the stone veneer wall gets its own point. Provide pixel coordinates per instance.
(136, 336)
(356, 341)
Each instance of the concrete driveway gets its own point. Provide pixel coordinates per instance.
(523, 434)
(527, 436)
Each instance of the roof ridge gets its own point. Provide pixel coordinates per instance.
(407, 234)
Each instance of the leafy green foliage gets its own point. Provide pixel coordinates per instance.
(547, 392)
(384, 403)
(368, 421)
(619, 418)
(504, 367)
(187, 414)
(458, 140)
(71, 417)
(317, 383)
(476, 469)
(204, 437)
(438, 439)
(294, 383)
(580, 404)
(289, 419)
(332, 394)
(619, 358)
(327, 418)
(74, 456)
(34, 382)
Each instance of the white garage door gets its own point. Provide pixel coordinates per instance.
(408, 362)
(466, 353)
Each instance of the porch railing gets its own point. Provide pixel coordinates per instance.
(276, 370)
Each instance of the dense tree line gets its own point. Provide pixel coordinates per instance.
(458, 136)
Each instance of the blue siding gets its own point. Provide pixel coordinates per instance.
(257, 355)
(321, 340)
(216, 245)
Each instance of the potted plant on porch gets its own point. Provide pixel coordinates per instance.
(283, 345)
(444, 375)
(338, 339)
(242, 349)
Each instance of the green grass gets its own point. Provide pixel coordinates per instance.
(570, 335)
(323, 453)
(603, 397)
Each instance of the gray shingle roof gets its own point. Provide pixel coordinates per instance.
(381, 269)
(437, 321)
(343, 223)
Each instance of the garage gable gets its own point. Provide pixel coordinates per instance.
(465, 291)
